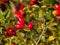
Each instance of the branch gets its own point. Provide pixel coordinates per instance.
(12, 6)
(43, 32)
(21, 1)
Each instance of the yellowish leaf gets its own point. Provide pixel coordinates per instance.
(41, 43)
(24, 40)
(54, 12)
(51, 38)
(32, 44)
(6, 44)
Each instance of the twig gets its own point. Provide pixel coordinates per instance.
(13, 8)
(10, 42)
(53, 43)
(43, 32)
(21, 1)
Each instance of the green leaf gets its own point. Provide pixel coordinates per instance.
(43, 39)
(15, 0)
(57, 43)
(8, 14)
(5, 12)
(1, 13)
(50, 1)
(27, 30)
(0, 30)
(41, 13)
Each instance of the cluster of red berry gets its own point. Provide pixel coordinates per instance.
(33, 2)
(20, 24)
(57, 12)
(21, 21)
(57, 8)
(19, 15)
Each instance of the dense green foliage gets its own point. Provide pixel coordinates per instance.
(43, 21)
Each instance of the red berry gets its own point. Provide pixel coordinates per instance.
(30, 25)
(19, 14)
(13, 44)
(10, 32)
(19, 26)
(21, 20)
(57, 12)
(32, 3)
(57, 6)
(21, 11)
(21, 6)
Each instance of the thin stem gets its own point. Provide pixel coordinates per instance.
(43, 32)
(10, 41)
(13, 7)
(21, 1)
